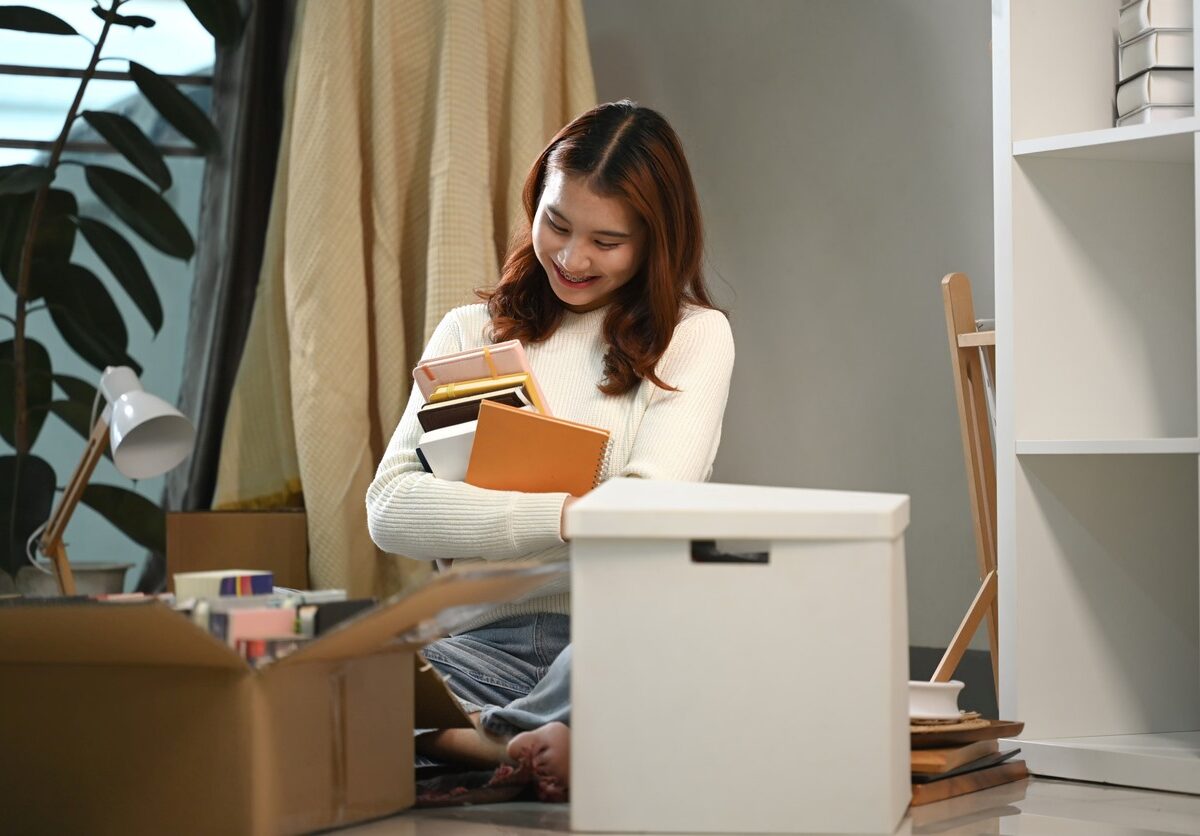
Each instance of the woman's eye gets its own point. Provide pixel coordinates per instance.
(606, 245)
(555, 227)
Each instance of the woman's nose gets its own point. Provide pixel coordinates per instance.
(574, 260)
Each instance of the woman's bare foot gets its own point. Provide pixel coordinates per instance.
(473, 747)
(547, 752)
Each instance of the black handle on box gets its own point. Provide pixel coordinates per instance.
(706, 551)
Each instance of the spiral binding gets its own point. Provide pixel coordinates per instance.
(605, 459)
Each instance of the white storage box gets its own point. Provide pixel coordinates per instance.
(739, 696)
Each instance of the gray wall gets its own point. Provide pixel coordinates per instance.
(842, 153)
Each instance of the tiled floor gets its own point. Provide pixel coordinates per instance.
(1036, 807)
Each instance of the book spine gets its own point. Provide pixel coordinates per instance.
(239, 585)
(218, 625)
(424, 461)
(1143, 15)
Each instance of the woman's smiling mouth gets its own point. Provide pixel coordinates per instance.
(572, 281)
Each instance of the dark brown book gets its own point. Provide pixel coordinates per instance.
(981, 779)
(435, 416)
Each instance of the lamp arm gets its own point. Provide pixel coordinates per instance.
(51, 543)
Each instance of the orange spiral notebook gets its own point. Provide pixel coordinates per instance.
(520, 450)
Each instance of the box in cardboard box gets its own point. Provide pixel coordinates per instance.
(275, 541)
(790, 663)
(128, 718)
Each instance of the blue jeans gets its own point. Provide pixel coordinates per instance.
(500, 662)
(549, 702)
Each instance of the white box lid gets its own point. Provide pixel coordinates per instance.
(661, 510)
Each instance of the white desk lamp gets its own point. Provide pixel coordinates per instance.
(148, 437)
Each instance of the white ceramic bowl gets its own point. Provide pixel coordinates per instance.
(933, 700)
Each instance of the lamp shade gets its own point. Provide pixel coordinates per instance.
(148, 435)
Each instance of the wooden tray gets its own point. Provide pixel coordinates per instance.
(994, 730)
(982, 779)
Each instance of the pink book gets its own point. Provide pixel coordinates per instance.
(265, 623)
(475, 363)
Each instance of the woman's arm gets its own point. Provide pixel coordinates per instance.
(410, 512)
(678, 436)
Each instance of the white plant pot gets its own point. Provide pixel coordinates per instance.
(90, 579)
(933, 700)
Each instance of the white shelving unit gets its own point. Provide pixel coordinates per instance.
(1098, 451)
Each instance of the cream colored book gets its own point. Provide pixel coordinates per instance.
(1156, 87)
(1138, 16)
(1153, 49)
(1155, 113)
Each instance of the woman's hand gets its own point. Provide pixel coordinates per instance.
(562, 525)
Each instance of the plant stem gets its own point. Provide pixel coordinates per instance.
(20, 384)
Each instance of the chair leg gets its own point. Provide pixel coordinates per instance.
(983, 604)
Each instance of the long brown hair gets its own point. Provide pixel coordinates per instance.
(626, 151)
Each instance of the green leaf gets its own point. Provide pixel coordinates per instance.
(176, 108)
(134, 145)
(27, 19)
(38, 388)
(26, 495)
(79, 391)
(136, 517)
(76, 410)
(143, 209)
(221, 18)
(87, 317)
(132, 21)
(78, 417)
(19, 179)
(120, 257)
(14, 221)
(55, 236)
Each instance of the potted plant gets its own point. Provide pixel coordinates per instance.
(39, 226)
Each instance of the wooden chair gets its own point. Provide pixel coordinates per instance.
(973, 359)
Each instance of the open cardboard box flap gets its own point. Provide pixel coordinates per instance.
(380, 626)
(152, 634)
(94, 633)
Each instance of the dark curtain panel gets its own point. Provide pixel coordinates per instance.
(247, 109)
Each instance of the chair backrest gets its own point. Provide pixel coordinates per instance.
(972, 356)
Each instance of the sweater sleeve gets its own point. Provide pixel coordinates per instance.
(680, 431)
(413, 513)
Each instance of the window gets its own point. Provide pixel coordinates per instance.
(36, 91)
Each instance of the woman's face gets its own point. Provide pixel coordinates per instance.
(588, 244)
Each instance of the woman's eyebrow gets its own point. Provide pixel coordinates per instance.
(608, 232)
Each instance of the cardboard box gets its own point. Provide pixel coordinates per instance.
(764, 695)
(127, 718)
(276, 541)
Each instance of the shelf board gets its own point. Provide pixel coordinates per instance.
(1158, 142)
(1107, 447)
(1168, 761)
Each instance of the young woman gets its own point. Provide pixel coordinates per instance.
(604, 289)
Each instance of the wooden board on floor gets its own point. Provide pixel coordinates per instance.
(994, 730)
(993, 776)
(937, 761)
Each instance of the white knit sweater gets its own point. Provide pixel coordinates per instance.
(656, 434)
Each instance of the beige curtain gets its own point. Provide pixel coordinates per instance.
(410, 126)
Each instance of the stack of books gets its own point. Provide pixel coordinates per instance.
(260, 621)
(485, 422)
(955, 758)
(1155, 64)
